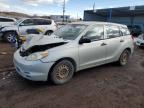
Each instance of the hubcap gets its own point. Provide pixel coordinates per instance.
(62, 72)
(124, 58)
(49, 33)
(11, 37)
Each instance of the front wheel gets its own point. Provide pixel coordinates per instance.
(123, 60)
(10, 37)
(62, 72)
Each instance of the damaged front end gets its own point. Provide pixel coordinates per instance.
(38, 48)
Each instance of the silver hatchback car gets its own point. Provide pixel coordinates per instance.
(72, 48)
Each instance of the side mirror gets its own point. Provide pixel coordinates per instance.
(84, 40)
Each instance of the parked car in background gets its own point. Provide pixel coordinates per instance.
(140, 40)
(23, 26)
(5, 21)
(72, 48)
(135, 30)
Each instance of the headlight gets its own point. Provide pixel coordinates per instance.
(37, 56)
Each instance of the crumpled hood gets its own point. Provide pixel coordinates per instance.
(41, 40)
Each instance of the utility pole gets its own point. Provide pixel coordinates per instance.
(63, 11)
(77, 16)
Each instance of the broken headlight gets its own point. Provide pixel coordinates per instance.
(37, 56)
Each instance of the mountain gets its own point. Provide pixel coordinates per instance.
(14, 14)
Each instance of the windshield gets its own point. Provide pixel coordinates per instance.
(70, 32)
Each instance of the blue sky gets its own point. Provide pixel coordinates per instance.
(52, 7)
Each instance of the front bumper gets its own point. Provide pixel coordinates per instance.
(31, 70)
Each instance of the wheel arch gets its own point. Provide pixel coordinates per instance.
(48, 31)
(65, 58)
(4, 32)
(129, 49)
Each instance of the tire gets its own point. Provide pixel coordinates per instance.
(48, 33)
(124, 58)
(10, 37)
(62, 72)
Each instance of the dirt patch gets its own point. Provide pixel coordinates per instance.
(142, 64)
(6, 55)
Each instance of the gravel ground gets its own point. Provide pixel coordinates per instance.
(107, 86)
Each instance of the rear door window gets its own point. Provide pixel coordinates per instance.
(112, 31)
(37, 22)
(42, 22)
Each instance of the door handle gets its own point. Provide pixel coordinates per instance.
(121, 40)
(103, 44)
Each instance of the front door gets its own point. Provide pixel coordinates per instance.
(92, 54)
(26, 25)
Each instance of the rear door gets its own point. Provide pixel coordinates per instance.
(46, 25)
(92, 54)
(114, 42)
(43, 25)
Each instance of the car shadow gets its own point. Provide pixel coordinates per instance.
(96, 69)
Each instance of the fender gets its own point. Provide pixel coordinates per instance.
(6, 29)
(4, 32)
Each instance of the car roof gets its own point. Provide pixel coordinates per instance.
(36, 18)
(96, 22)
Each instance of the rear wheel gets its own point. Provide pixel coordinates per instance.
(123, 60)
(62, 72)
(48, 33)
